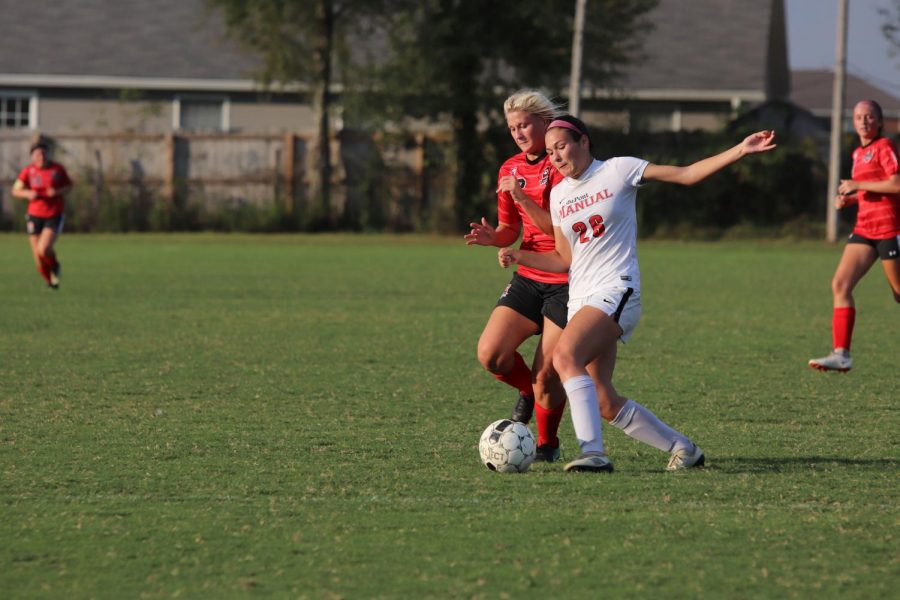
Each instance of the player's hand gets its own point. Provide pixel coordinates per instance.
(507, 257)
(510, 185)
(847, 187)
(481, 234)
(32, 195)
(50, 192)
(761, 141)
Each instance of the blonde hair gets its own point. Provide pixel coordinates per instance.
(532, 102)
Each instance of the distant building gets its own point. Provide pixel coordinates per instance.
(813, 90)
(706, 61)
(127, 66)
(163, 66)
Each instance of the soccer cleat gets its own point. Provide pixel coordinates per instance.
(685, 459)
(523, 409)
(838, 360)
(546, 453)
(590, 462)
(54, 277)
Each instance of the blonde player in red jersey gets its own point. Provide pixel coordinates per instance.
(875, 188)
(534, 302)
(44, 183)
(595, 225)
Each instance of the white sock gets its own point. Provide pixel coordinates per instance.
(641, 424)
(585, 411)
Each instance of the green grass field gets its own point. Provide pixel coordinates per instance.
(298, 417)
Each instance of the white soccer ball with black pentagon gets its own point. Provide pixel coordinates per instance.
(507, 447)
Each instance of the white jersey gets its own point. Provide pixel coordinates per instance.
(596, 213)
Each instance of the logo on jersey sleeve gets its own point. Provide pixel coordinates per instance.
(545, 176)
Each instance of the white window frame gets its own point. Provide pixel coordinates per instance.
(225, 124)
(32, 97)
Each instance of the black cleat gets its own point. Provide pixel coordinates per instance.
(54, 277)
(546, 453)
(523, 409)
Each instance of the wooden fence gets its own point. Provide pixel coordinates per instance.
(378, 181)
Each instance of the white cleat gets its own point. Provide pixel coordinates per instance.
(838, 360)
(590, 462)
(686, 458)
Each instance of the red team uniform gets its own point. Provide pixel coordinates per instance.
(879, 214)
(536, 180)
(39, 179)
(533, 293)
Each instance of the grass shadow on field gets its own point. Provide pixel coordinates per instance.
(798, 464)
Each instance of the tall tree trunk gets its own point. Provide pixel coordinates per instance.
(320, 182)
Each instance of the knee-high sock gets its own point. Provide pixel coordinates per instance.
(44, 269)
(518, 377)
(548, 423)
(842, 326)
(641, 424)
(585, 411)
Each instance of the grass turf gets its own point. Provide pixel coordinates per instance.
(298, 416)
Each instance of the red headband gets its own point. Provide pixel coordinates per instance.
(565, 125)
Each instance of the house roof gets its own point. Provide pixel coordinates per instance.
(717, 48)
(114, 42)
(701, 49)
(814, 89)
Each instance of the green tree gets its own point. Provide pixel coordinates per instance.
(454, 60)
(299, 41)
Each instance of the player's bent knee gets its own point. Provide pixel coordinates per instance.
(545, 378)
(493, 360)
(564, 361)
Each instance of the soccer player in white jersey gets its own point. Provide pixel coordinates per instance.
(595, 228)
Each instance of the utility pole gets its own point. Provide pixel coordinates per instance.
(837, 121)
(577, 45)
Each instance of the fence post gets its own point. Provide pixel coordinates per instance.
(169, 175)
(419, 170)
(290, 144)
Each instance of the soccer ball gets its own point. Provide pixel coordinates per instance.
(507, 446)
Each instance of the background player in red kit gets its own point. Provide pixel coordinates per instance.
(535, 301)
(43, 183)
(875, 187)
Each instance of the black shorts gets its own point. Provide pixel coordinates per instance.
(536, 300)
(35, 225)
(888, 249)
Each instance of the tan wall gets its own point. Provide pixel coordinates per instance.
(63, 115)
(57, 115)
(263, 117)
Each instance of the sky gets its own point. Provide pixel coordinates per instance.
(812, 39)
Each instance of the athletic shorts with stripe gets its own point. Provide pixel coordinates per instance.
(536, 300)
(621, 303)
(35, 225)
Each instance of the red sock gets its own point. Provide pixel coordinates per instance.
(44, 270)
(842, 326)
(548, 423)
(518, 377)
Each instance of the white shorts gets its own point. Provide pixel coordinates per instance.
(622, 304)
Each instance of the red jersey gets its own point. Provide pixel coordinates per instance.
(879, 214)
(53, 175)
(536, 179)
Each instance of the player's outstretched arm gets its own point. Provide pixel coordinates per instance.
(761, 141)
(483, 234)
